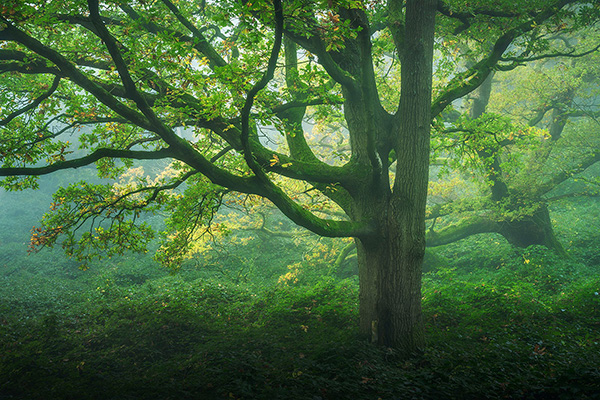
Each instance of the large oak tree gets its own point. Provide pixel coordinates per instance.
(137, 72)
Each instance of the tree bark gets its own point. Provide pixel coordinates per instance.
(532, 229)
(390, 263)
(390, 293)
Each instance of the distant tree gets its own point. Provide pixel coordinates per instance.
(522, 134)
(138, 71)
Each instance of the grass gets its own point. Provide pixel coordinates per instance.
(172, 338)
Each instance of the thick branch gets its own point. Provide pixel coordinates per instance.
(87, 160)
(469, 80)
(461, 230)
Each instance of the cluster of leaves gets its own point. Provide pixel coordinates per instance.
(102, 226)
(188, 219)
(475, 143)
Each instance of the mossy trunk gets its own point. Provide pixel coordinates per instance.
(530, 230)
(390, 262)
(535, 229)
(390, 288)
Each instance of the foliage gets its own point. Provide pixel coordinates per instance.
(174, 337)
(498, 327)
(140, 75)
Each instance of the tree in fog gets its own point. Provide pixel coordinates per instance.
(521, 134)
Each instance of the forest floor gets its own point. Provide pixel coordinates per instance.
(178, 338)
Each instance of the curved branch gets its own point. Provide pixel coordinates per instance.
(462, 230)
(258, 86)
(34, 104)
(87, 160)
(464, 83)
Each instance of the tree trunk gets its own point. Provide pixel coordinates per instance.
(529, 230)
(390, 263)
(390, 289)
(533, 229)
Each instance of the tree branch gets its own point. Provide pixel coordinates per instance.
(562, 176)
(203, 46)
(454, 233)
(466, 82)
(569, 54)
(87, 160)
(34, 104)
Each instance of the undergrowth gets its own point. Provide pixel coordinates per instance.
(174, 337)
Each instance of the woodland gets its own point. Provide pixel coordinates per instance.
(299, 199)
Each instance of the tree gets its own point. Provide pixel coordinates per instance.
(137, 72)
(524, 148)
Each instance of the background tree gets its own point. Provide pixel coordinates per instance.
(523, 134)
(138, 72)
